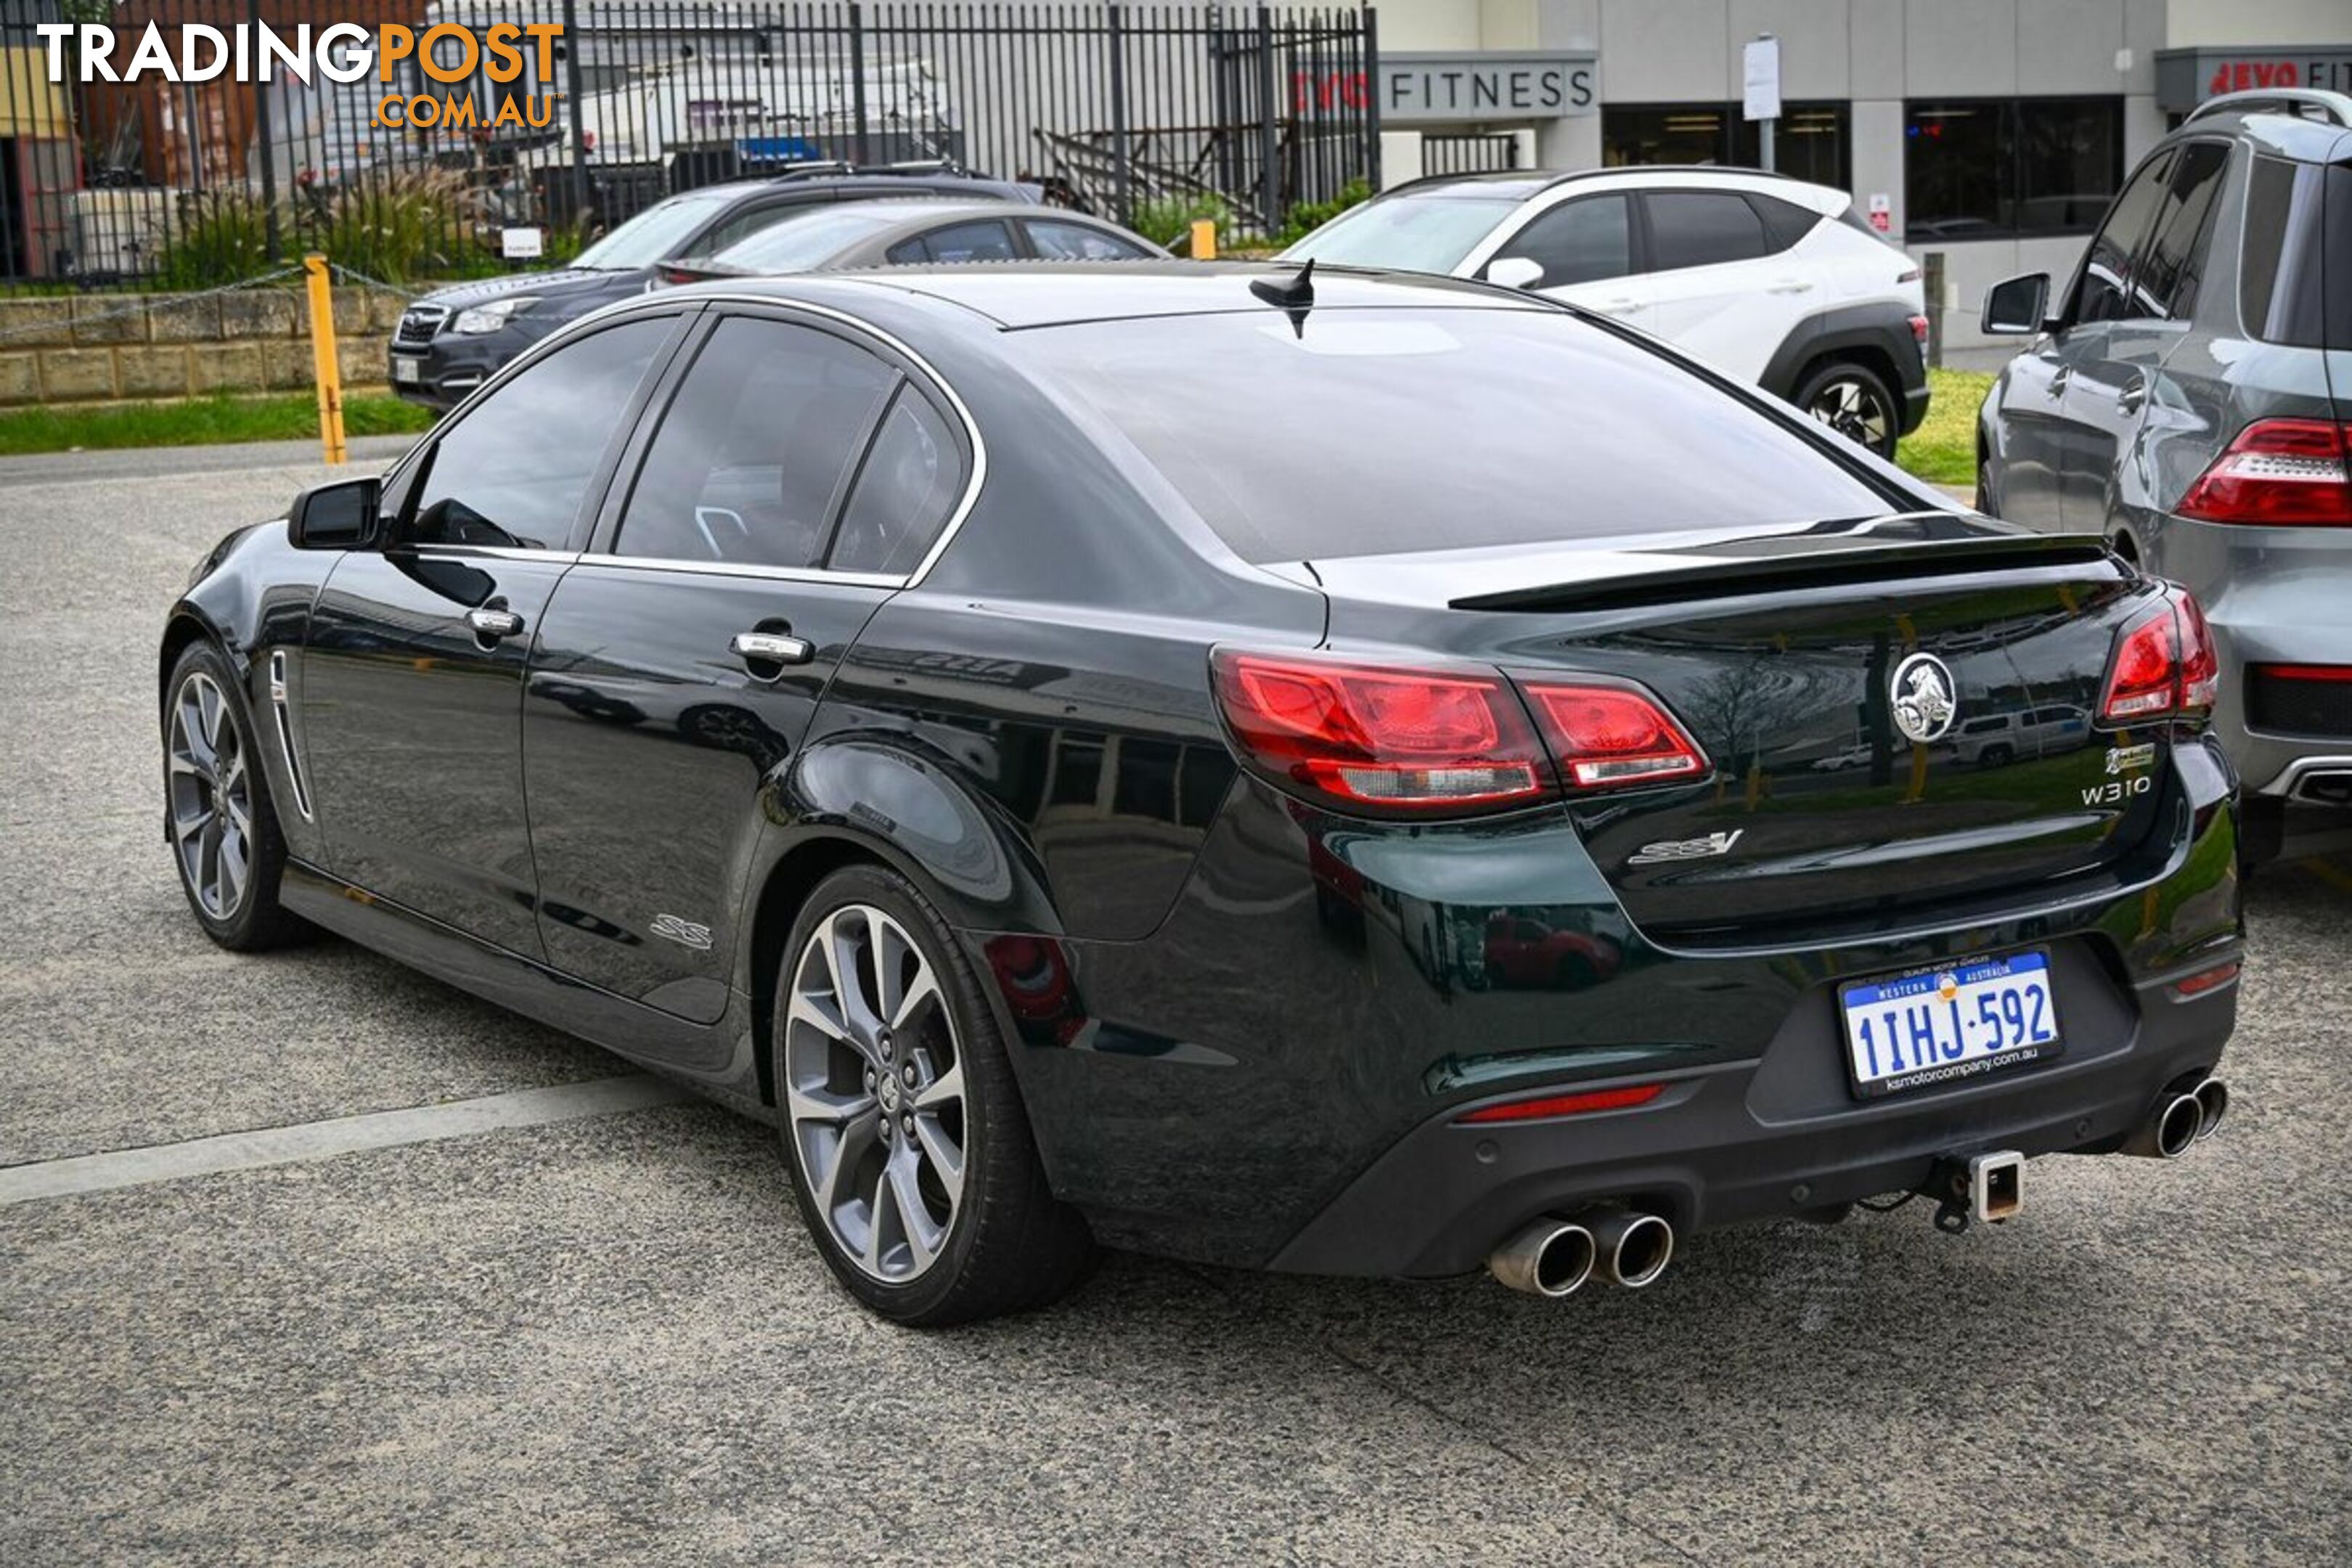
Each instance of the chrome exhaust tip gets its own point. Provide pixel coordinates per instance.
(1633, 1249)
(1551, 1257)
(2167, 1133)
(2213, 1104)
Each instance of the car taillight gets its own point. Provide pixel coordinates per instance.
(1386, 737)
(1606, 735)
(2165, 665)
(1919, 329)
(1440, 740)
(2290, 472)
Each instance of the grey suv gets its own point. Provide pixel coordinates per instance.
(2190, 397)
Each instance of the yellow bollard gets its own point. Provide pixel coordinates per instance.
(1204, 240)
(323, 364)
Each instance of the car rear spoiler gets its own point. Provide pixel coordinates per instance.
(1814, 567)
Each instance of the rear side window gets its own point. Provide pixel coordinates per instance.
(1378, 431)
(755, 449)
(1076, 242)
(910, 484)
(1785, 223)
(2166, 284)
(2298, 229)
(1582, 241)
(1702, 228)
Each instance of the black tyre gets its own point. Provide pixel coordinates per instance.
(1852, 400)
(219, 819)
(1988, 498)
(911, 1156)
(1997, 756)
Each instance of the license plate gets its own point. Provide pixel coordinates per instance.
(1943, 1025)
(407, 369)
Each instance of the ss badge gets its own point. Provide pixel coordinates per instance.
(1687, 849)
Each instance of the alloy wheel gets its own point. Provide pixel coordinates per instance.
(211, 797)
(1855, 411)
(873, 1092)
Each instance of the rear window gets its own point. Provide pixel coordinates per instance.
(1379, 431)
(2298, 227)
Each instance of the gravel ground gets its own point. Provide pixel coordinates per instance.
(606, 1339)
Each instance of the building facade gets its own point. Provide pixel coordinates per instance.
(1993, 132)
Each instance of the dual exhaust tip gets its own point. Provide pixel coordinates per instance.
(1555, 1258)
(2183, 1117)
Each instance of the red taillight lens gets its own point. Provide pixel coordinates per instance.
(2165, 665)
(2290, 472)
(1919, 329)
(1605, 735)
(1565, 1104)
(1374, 735)
(2207, 980)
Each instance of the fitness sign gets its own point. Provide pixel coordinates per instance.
(345, 52)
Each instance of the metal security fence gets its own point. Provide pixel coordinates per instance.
(1475, 155)
(1149, 114)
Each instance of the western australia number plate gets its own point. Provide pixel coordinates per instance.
(405, 369)
(1944, 1025)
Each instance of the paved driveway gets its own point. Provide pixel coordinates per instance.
(593, 1333)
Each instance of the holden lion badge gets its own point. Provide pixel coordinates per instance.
(1923, 699)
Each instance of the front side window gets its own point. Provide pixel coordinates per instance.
(1701, 228)
(754, 450)
(985, 240)
(1378, 431)
(1582, 241)
(514, 472)
(1986, 168)
(2102, 289)
(1076, 242)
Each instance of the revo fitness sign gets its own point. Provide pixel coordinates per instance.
(1486, 84)
(2187, 78)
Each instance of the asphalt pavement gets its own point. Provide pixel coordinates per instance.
(339, 1301)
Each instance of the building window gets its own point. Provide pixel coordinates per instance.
(2004, 168)
(1811, 143)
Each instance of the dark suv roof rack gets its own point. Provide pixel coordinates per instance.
(834, 168)
(2332, 108)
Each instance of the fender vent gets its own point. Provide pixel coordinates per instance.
(284, 719)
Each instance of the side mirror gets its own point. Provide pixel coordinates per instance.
(1515, 272)
(2015, 306)
(340, 516)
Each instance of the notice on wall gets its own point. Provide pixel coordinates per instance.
(521, 243)
(1882, 211)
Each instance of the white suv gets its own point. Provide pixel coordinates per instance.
(1771, 279)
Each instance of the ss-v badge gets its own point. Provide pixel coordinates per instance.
(1687, 849)
(685, 933)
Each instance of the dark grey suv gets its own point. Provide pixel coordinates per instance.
(2190, 397)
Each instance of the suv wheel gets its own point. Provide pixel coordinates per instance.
(1851, 400)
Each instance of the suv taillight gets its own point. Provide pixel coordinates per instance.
(2164, 664)
(1434, 740)
(2290, 472)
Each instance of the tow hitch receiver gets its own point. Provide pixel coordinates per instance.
(1996, 1185)
(1986, 1188)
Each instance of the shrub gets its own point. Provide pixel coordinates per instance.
(1306, 217)
(396, 227)
(1168, 220)
(220, 237)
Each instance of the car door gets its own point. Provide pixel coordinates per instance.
(412, 669)
(1587, 248)
(2117, 372)
(796, 472)
(1712, 290)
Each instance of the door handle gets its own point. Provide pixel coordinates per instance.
(1620, 305)
(1789, 286)
(2131, 398)
(493, 622)
(770, 648)
(2058, 383)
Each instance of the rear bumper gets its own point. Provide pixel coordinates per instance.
(1721, 1146)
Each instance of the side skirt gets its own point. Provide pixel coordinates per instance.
(654, 1039)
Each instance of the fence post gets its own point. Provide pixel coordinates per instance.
(1119, 112)
(860, 152)
(323, 366)
(1372, 58)
(1932, 264)
(575, 112)
(269, 143)
(1270, 177)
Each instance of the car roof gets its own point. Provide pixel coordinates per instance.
(2303, 124)
(1520, 184)
(1017, 295)
(882, 187)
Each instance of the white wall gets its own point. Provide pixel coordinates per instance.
(2193, 22)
